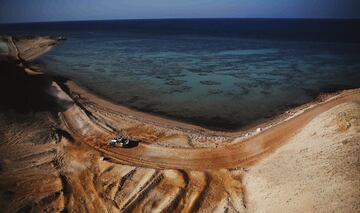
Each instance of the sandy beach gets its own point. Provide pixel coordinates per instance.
(55, 154)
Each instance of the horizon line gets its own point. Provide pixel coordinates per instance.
(142, 19)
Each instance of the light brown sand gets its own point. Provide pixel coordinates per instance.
(149, 153)
(305, 161)
(318, 170)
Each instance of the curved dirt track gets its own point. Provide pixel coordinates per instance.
(233, 155)
(49, 162)
(92, 127)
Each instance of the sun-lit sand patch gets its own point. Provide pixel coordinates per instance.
(317, 170)
(55, 156)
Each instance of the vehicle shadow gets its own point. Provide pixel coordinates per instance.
(132, 144)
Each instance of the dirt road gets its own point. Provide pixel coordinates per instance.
(240, 153)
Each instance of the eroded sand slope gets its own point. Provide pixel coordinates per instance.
(316, 171)
(40, 173)
(54, 157)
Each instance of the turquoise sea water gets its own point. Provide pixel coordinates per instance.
(220, 81)
(214, 82)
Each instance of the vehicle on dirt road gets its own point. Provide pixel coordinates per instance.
(122, 142)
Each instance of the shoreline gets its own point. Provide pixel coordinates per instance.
(84, 94)
(272, 116)
(181, 121)
(232, 154)
(92, 120)
(54, 154)
(262, 122)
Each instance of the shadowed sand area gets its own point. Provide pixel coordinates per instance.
(54, 153)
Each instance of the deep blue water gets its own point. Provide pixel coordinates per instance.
(218, 73)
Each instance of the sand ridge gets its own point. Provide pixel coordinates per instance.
(231, 155)
(57, 159)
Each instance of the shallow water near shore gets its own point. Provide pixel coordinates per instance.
(219, 82)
